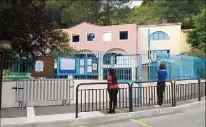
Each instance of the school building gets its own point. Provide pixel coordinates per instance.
(127, 38)
(126, 47)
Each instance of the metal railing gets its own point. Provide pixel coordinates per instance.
(147, 95)
(44, 90)
(136, 95)
(127, 66)
(188, 91)
(97, 99)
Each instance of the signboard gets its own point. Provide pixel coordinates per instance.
(66, 66)
(81, 66)
(43, 66)
(77, 66)
(88, 66)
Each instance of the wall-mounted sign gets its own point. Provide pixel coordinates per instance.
(39, 66)
(66, 66)
(87, 66)
(77, 66)
(43, 66)
(81, 66)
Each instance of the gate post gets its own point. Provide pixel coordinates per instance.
(130, 98)
(173, 93)
(199, 89)
(1, 76)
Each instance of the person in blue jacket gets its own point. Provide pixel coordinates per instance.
(161, 77)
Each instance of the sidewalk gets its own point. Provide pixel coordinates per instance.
(59, 114)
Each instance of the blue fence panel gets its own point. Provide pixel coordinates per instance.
(178, 67)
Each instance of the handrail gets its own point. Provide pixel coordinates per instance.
(95, 83)
(130, 85)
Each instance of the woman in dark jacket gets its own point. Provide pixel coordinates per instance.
(112, 90)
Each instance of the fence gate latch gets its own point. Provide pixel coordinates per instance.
(15, 88)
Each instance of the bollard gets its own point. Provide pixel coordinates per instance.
(130, 99)
(199, 89)
(173, 93)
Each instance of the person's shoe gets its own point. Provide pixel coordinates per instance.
(113, 111)
(157, 106)
(110, 111)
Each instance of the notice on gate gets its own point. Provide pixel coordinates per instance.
(43, 66)
(92, 67)
(66, 66)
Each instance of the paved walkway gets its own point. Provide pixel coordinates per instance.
(192, 118)
(52, 110)
(52, 113)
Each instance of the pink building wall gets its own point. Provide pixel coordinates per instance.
(129, 46)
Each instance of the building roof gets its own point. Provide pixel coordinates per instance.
(153, 25)
(83, 23)
(164, 24)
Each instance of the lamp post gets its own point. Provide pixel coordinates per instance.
(4, 45)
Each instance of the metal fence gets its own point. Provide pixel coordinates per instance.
(91, 99)
(128, 66)
(136, 94)
(44, 90)
(177, 66)
(146, 95)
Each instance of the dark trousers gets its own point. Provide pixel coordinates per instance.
(160, 91)
(112, 98)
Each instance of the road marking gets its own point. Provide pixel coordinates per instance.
(139, 122)
(80, 126)
(31, 114)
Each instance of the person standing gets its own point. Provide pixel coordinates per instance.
(161, 76)
(112, 90)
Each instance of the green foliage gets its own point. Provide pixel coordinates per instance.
(147, 15)
(197, 36)
(69, 13)
(29, 27)
(195, 52)
(175, 11)
(121, 16)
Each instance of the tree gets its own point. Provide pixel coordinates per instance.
(147, 15)
(54, 9)
(109, 7)
(95, 12)
(121, 15)
(195, 52)
(197, 37)
(29, 27)
(178, 11)
(85, 11)
(59, 12)
(147, 2)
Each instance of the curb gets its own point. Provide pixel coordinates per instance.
(114, 117)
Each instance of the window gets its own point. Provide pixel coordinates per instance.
(107, 36)
(75, 38)
(159, 35)
(90, 37)
(123, 35)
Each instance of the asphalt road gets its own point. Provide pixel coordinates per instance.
(193, 118)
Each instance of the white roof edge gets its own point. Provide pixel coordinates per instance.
(153, 25)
